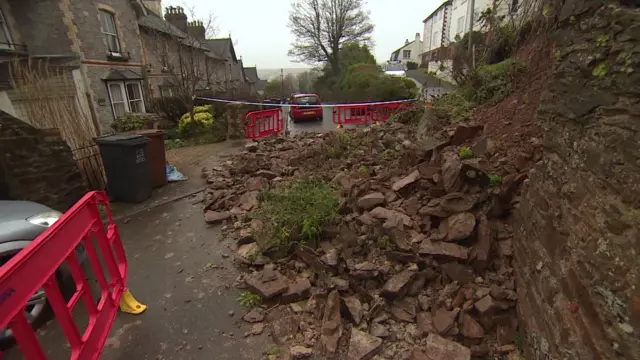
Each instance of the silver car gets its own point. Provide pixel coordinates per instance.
(20, 223)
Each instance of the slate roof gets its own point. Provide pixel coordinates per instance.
(448, 2)
(252, 74)
(114, 74)
(222, 48)
(157, 23)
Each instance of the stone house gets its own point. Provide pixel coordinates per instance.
(233, 76)
(176, 56)
(435, 38)
(100, 37)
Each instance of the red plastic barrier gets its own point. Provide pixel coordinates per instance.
(263, 123)
(35, 267)
(362, 114)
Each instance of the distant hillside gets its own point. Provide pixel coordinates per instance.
(268, 74)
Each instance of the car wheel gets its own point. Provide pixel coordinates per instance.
(38, 313)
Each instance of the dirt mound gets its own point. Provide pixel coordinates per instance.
(415, 261)
(512, 136)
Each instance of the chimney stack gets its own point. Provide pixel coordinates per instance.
(417, 36)
(406, 41)
(196, 30)
(175, 16)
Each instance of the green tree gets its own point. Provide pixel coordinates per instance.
(322, 27)
(273, 88)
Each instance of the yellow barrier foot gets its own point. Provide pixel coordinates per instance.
(129, 304)
(339, 126)
(378, 123)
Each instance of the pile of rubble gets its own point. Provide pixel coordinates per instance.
(418, 263)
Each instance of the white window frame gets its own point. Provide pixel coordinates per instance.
(140, 99)
(408, 52)
(106, 34)
(7, 34)
(125, 96)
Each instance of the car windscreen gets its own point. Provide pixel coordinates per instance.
(306, 100)
(395, 67)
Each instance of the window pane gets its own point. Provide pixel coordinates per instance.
(119, 109)
(116, 92)
(112, 43)
(133, 91)
(4, 39)
(108, 23)
(136, 106)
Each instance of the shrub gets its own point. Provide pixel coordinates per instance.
(296, 212)
(412, 65)
(465, 152)
(130, 122)
(170, 108)
(201, 120)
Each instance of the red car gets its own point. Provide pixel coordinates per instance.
(305, 112)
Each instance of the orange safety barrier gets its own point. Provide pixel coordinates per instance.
(365, 113)
(263, 123)
(35, 268)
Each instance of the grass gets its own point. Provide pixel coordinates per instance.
(388, 155)
(465, 152)
(363, 169)
(495, 180)
(249, 300)
(297, 212)
(274, 351)
(341, 144)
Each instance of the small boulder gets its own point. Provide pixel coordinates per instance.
(398, 284)
(362, 346)
(297, 291)
(214, 217)
(370, 201)
(331, 324)
(300, 352)
(443, 320)
(406, 181)
(354, 307)
(470, 327)
(268, 283)
(443, 349)
(255, 315)
(256, 183)
(458, 226)
(444, 249)
(379, 330)
(458, 272)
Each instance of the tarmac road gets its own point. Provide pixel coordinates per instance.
(182, 269)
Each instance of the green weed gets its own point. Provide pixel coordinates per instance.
(465, 152)
(363, 169)
(249, 300)
(600, 70)
(602, 40)
(495, 180)
(274, 351)
(388, 155)
(297, 212)
(386, 242)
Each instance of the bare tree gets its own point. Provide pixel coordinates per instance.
(321, 27)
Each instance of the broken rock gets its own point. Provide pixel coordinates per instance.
(297, 291)
(370, 201)
(457, 202)
(444, 249)
(379, 330)
(459, 226)
(443, 349)
(470, 327)
(362, 346)
(458, 272)
(386, 214)
(256, 315)
(404, 310)
(256, 183)
(331, 323)
(354, 307)
(406, 181)
(425, 323)
(398, 284)
(214, 217)
(268, 283)
(444, 320)
(300, 352)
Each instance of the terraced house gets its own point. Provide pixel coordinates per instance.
(103, 59)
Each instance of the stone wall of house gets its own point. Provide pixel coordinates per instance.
(30, 17)
(578, 244)
(37, 165)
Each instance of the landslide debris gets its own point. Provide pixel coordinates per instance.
(372, 243)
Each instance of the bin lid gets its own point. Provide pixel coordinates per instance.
(150, 132)
(122, 140)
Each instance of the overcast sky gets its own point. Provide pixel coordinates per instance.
(259, 27)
